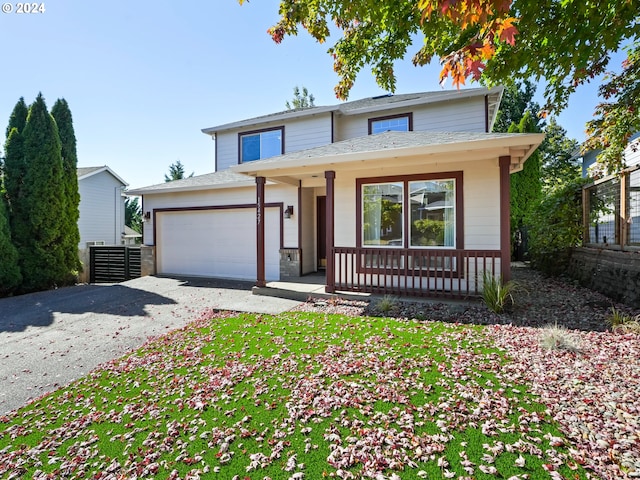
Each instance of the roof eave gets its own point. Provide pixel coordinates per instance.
(190, 188)
(104, 169)
(519, 146)
(275, 118)
(445, 97)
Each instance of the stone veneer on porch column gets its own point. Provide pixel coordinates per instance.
(330, 287)
(260, 280)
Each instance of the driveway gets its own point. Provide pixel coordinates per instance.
(48, 339)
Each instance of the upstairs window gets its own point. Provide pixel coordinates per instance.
(396, 123)
(261, 144)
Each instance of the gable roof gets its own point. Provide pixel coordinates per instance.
(86, 172)
(208, 181)
(372, 104)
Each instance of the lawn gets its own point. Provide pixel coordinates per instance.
(297, 395)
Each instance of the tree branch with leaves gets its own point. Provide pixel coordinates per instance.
(567, 43)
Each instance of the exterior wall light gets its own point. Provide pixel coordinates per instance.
(288, 212)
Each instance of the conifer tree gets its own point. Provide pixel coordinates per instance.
(10, 277)
(41, 246)
(14, 157)
(526, 186)
(176, 172)
(71, 196)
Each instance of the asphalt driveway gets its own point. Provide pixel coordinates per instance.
(48, 339)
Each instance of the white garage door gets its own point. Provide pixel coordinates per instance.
(216, 243)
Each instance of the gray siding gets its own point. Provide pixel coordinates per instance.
(101, 209)
(465, 115)
(299, 134)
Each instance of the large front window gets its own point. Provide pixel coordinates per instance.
(382, 214)
(261, 144)
(432, 213)
(412, 212)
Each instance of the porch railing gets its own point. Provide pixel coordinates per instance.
(413, 272)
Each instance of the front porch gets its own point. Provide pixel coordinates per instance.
(430, 223)
(360, 273)
(451, 273)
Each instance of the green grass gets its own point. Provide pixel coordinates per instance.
(299, 393)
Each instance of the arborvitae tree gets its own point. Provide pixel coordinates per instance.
(10, 277)
(41, 246)
(18, 118)
(526, 187)
(62, 115)
(14, 157)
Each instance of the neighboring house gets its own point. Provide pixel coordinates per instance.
(406, 194)
(631, 155)
(612, 206)
(101, 207)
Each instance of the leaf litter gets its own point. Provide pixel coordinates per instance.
(313, 395)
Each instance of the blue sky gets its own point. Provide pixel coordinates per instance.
(143, 77)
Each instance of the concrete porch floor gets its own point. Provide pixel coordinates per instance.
(302, 288)
(312, 286)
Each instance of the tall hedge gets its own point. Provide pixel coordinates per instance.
(10, 277)
(71, 196)
(526, 186)
(14, 164)
(41, 249)
(556, 227)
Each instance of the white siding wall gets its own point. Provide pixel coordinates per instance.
(229, 196)
(299, 134)
(101, 209)
(481, 195)
(466, 115)
(482, 206)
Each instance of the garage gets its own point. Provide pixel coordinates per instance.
(216, 243)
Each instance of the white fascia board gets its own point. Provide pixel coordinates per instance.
(104, 169)
(445, 97)
(275, 118)
(190, 188)
(527, 141)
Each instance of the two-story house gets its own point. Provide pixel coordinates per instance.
(406, 194)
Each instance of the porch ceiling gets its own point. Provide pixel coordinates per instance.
(404, 148)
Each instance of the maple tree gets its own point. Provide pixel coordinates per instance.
(565, 43)
(617, 117)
